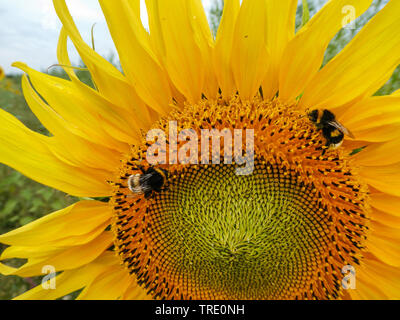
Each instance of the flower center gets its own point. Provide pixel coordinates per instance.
(285, 231)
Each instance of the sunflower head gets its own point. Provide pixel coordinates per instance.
(2, 73)
(283, 231)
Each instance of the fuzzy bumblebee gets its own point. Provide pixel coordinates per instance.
(152, 179)
(332, 130)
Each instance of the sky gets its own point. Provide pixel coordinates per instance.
(29, 31)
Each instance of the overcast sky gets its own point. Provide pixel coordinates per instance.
(29, 31)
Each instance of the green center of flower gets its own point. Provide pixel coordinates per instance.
(237, 237)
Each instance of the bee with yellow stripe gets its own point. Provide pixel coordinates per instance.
(152, 179)
(332, 130)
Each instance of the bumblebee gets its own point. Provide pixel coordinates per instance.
(152, 179)
(332, 130)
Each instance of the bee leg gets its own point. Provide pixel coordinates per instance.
(158, 190)
(147, 195)
(161, 188)
(141, 168)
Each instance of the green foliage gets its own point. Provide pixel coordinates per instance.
(215, 15)
(13, 286)
(23, 200)
(306, 13)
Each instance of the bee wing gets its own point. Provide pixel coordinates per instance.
(144, 182)
(144, 185)
(342, 128)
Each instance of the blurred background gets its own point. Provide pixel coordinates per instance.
(29, 33)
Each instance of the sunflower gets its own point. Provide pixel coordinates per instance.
(292, 229)
(2, 74)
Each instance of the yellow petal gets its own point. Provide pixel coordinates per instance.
(92, 115)
(384, 231)
(2, 74)
(68, 144)
(223, 48)
(77, 219)
(379, 154)
(304, 54)
(367, 290)
(107, 78)
(4, 269)
(134, 292)
(125, 99)
(109, 285)
(250, 57)
(370, 56)
(62, 54)
(386, 203)
(373, 119)
(138, 60)
(81, 238)
(184, 58)
(60, 259)
(383, 178)
(381, 277)
(24, 252)
(373, 112)
(387, 219)
(383, 241)
(26, 151)
(157, 43)
(156, 37)
(280, 29)
(72, 280)
(205, 41)
(103, 72)
(378, 134)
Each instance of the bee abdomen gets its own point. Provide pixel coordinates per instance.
(333, 136)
